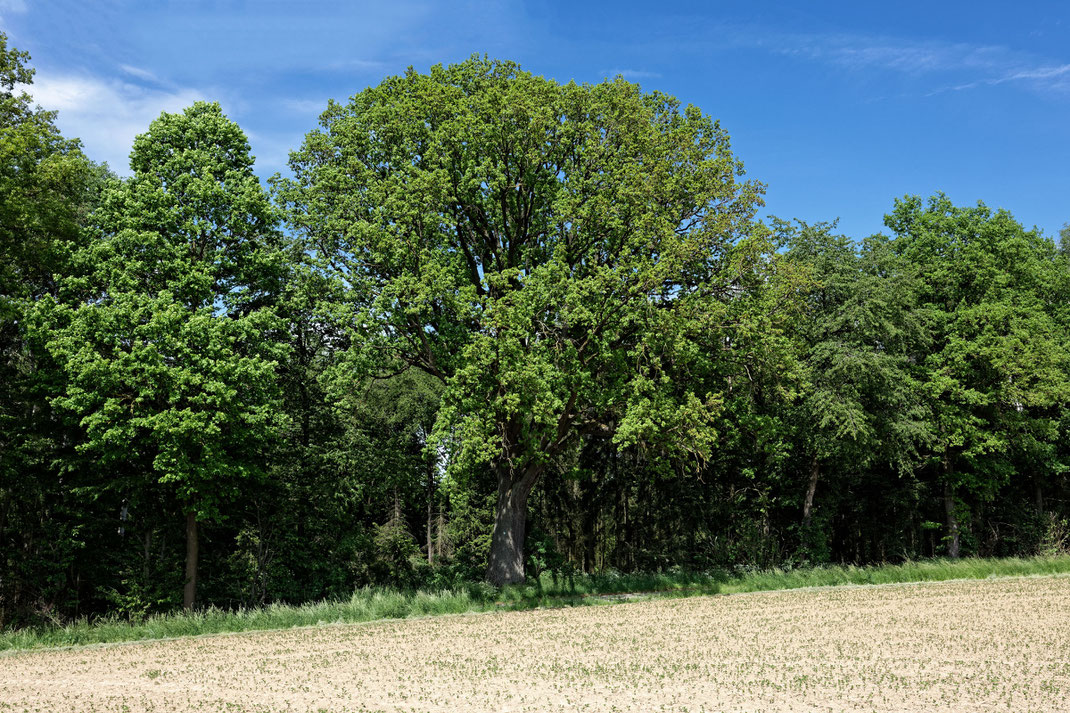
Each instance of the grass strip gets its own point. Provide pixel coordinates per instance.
(370, 604)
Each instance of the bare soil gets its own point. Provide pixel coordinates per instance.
(995, 645)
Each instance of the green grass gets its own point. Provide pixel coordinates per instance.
(371, 604)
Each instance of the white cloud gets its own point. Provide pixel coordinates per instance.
(106, 114)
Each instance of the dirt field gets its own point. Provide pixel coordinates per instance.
(997, 645)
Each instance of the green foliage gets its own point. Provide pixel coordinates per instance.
(396, 550)
(544, 558)
(561, 257)
(1055, 540)
(994, 373)
(999, 346)
(46, 185)
(524, 272)
(470, 526)
(163, 332)
(860, 329)
(862, 408)
(46, 188)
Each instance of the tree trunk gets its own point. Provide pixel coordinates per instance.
(189, 593)
(808, 503)
(148, 557)
(952, 523)
(1039, 494)
(506, 565)
(589, 516)
(430, 510)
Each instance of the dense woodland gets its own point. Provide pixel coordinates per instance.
(490, 326)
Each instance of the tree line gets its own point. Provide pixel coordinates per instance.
(491, 326)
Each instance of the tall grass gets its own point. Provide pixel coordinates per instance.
(366, 604)
(375, 603)
(939, 570)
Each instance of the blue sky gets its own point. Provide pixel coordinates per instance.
(839, 107)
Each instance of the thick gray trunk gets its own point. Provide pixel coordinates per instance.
(506, 564)
(189, 592)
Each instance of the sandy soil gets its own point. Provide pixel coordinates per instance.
(997, 645)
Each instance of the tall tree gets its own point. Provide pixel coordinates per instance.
(862, 408)
(166, 331)
(995, 371)
(554, 254)
(46, 188)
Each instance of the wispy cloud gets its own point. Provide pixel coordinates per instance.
(1051, 78)
(106, 113)
(12, 7)
(633, 74)
(1042, 73)
(138, 72)
(860, 53)
(357, 65)
(305, 106)
(948, 65)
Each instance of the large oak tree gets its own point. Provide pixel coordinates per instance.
(562, 256)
